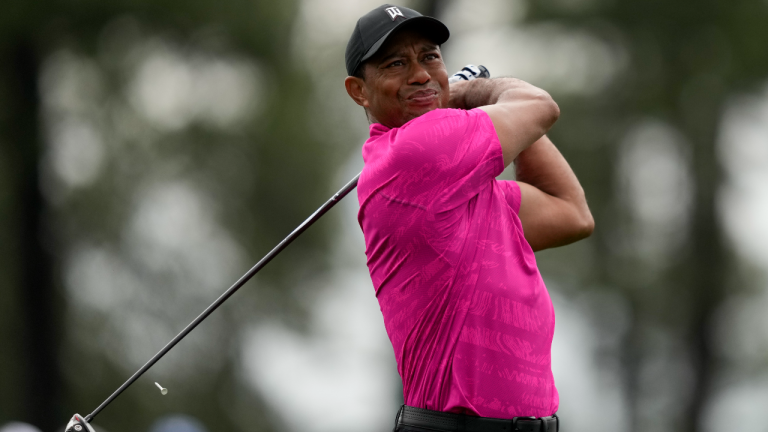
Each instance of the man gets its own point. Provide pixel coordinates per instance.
(449, 247)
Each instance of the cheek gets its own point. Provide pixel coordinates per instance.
(446, 98)
(384, 90)
(393, 90)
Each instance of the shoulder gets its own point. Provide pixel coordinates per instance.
(445, 119)
(443, 126)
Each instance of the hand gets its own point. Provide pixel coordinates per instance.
(458, 91)
(460, 80)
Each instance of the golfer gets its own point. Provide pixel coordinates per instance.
(451, 249)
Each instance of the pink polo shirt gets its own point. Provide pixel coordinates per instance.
(464, 304)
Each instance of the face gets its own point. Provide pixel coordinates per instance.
(404, 80)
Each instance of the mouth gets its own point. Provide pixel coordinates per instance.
(423, 97)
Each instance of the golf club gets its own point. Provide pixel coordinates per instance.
(78, 423)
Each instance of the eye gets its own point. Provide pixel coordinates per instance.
(431, 56)
(396, 63)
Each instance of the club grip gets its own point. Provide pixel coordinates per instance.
(470, 72)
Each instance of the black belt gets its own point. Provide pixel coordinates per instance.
(441, 421)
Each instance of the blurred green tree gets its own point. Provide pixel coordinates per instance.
(685, 59)
(268, 173)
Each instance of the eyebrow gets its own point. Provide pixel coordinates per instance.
(400, 53)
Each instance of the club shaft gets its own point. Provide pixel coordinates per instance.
(228, 293)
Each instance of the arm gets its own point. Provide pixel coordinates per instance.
(553, 208)
(520, 112)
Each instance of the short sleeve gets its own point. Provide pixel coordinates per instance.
(450, 155)
(512, 194)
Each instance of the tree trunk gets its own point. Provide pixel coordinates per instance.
(37, 296)
(708, 265)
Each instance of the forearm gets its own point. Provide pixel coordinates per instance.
(542, 166)
(520, 112)
(482, 92)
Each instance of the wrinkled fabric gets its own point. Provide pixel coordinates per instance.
(464, 304)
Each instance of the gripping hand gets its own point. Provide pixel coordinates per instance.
(468, 73)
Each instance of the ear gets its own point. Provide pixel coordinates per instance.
(356, 90)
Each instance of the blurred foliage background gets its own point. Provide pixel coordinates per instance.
(151, 151)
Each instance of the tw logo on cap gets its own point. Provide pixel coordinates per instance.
(394, 12)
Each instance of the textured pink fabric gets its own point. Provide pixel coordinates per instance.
(464, 305)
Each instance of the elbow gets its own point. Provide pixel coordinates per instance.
(550, 109)
(587, 226)
(586, 223)
(583, 224)
(553, 109)
(581, 228)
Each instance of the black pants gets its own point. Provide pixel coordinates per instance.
(404, 428)
(411, 419)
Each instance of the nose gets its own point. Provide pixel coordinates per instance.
(418, 74)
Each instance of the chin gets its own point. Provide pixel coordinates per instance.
(420, 112)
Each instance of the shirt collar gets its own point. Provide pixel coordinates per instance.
(378, 129)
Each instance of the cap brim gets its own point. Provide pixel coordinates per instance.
(432, 28)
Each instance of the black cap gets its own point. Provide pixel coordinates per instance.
(373, 29)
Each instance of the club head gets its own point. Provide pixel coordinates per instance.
(78, 424)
